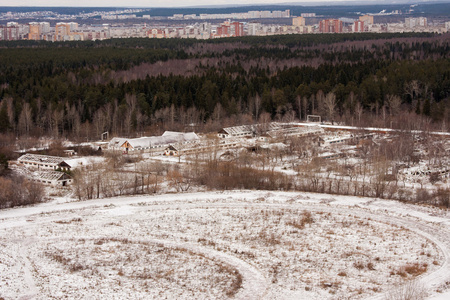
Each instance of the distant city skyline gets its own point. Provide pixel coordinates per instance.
(182, 3)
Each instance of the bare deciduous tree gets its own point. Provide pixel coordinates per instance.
(393, 102)
(25, 120)
(412, 89)
(181, 182)
(329, 104)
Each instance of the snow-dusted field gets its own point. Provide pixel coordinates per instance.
(242, 244)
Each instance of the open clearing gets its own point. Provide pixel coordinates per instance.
(240, 244)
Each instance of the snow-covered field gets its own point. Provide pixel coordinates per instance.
(216, 245)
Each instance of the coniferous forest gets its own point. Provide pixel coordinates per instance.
(144, 86)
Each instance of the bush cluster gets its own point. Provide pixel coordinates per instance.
(229, 175)
(17, 191)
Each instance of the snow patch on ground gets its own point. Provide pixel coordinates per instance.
(241, 244)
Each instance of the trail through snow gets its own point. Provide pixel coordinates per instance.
(431, 223)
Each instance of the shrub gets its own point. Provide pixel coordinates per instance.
(359, 265)
(434, 177)
(410, 290)
(415, 269)
(422, 195)
(442, 197)
(88, 151)
(229, 175)
(17, 191)
(306, 218)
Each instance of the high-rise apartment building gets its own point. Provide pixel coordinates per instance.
(276, 14)
(254, 28)
(61, 30)
(10, 32)
(299, 21)
(66, 31)
(227, 29)
(368, 20)
(223, 31)
(34, 31)
(237, 29)
(73, 26)
(254, 14)
(415, 22)
(266, 14)
(358, 26)
(37, 30)
(330, 26)
(44, 27)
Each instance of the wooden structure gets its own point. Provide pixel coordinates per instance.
(248, 130)
(43, 162)
(153, 143)
(54, 178)
(201, 146)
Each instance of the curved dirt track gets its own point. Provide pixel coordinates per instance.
(430, 223)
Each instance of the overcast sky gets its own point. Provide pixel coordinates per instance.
(147, 3)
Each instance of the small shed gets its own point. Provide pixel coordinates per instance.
(171, 151)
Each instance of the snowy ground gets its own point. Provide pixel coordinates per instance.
(241, 244)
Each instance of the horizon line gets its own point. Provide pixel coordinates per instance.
(219, 6)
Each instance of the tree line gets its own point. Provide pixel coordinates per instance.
(378, 174)
(137, 86)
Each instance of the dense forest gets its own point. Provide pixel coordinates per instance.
(143, 86)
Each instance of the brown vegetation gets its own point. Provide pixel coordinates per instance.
(17, 191)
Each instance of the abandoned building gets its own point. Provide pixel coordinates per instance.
(54, 178)
(43, 162)
(153, 143)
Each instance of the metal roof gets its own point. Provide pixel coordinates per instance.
(169, 137)
(41, 159)
(293, 131)
(77, 162)
(250, 129)
(50, 175)
(116, 142)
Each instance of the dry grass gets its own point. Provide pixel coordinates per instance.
(305, 218)
(236, 285)
(74, 220)
(71, 265)
(206, 242)
(359, 265)
(416, 269)
(410, 290)
(413, 270)
(259, 230)
(269, 239)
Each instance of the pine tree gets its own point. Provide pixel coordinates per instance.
(426, 110)
(418, 107)
(4, 120)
